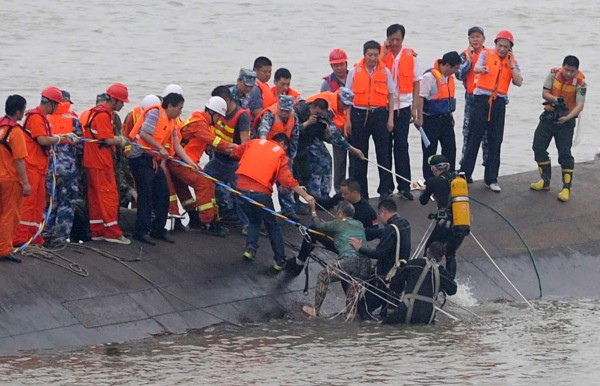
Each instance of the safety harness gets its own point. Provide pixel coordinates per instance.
(5, 138)
(409, 299)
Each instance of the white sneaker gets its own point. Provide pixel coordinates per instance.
(494, 187)
(121, 240)
(98, 238)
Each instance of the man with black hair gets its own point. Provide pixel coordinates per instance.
(421, 280)
(394, 246)
(564, 95)
(438, 186)
(283, 79)
(436, 104)
(263, 67)
(14, 184)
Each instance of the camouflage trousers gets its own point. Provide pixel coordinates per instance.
(60, 220)
(358, 267)
(319, 184)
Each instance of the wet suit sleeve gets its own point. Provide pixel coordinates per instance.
(430, 187)
(446, 284)
(385, 248)
(398, 282)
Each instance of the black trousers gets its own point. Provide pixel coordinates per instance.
(439, 128)
(400, 146)
(451, 240)
(563, 139)
(364, 125)
(153, 195)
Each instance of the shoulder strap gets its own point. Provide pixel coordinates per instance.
(4, 139)
(409, 299)
(393, 270)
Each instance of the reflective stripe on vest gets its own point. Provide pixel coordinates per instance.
(370, 90)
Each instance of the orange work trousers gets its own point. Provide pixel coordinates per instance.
(205, 203)
(103, 203)
(33, 209)
(11, 205)
(173, 206)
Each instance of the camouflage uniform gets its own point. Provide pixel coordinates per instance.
(64, 168)
(122, 172)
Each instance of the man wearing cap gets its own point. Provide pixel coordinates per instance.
(466, 73)
(65, 123)
(406, 73)
(372, 115)
(280, 118)
(103, 195)
(38, 139)
(438, 186)
(438, 103)
(323, 117)
(241, 92)
(497, 69)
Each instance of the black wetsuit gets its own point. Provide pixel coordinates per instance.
(405, 281)
(439, 187)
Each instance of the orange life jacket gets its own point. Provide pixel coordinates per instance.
(405, 71)
(193, 146)
(134, 117)
(567, 90)
(268, 96)
(339, 119)
(291, 92)
(61, 121)
(278, 125)
(6, 126)
(469, 81)
(499, 75)
(261, 161)
(227, 129)
(163, 131)
(30, 140)
(370, 91)
(87, 117)
(444, 101)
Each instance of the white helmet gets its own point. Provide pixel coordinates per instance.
(173, 88)
(217, 104)
(149, 100)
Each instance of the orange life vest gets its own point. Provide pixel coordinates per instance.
(291, 92)
(227, 129)
(6, 126)
(278, 125)
(261, 161)
(469, 81)
(499, 75)
(268, 96)
(370, 91)
(163, 131)
(567, 90)
(32, 144)
(130, 121)
(339, 119)
(87, 118)
(405, 71)
(193, 146)
(61, 122)
(444, 101)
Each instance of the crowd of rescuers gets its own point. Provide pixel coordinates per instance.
(258, 135)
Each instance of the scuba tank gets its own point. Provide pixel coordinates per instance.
(461, 212)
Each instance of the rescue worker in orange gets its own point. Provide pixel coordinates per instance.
(436, 105)
(372, 115)
(157, 140)
(402, 63)
(564, 95)
(197, 134)
(263, 67)
(466, 73)
(103, 195)
(497, 69)
(262, 162)
(39, 139)
(59, 223)
(283, 79)
(14, 183)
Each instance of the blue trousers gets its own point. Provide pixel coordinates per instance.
(224, 171)
(153, 195)
(256, 216)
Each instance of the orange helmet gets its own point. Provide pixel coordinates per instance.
(505, 34)
(337, 55)
(53, 94)
(119, 92)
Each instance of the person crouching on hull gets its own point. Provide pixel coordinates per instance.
(421, 280)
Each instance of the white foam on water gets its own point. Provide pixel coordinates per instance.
(464, 296)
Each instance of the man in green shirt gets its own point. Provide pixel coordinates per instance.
(349, 263)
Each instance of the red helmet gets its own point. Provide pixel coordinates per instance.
(119, 92)
(53, 94)
(505, 34)
(337, 56)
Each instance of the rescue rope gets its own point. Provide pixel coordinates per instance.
(531, 256)
(49, 255)
(46, 216)
(502, 272)
(387, 170)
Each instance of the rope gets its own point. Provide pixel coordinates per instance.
(531, 256)
(501, 272)
(387, 170)
(48, 255)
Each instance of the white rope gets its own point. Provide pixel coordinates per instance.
(387, 170)
(501, 272)
(423, 241)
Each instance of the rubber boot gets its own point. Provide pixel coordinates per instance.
(451, 266)
(195, 222)
(545, 170)
(565, 193)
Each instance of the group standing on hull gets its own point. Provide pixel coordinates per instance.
(64, 176)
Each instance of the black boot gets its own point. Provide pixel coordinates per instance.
(195, 222)
(545, 170)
